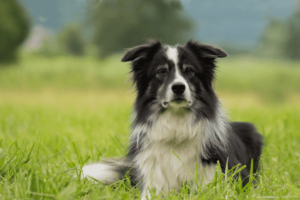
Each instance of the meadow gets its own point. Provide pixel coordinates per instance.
(57, 114)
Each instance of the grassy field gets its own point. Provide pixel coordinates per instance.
(57, 114)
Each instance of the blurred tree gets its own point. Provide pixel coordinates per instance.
(273, 39)
(291, 46)
(119, 24)
(14, 27)
(51, 47)
(281, 38)
(72, 41)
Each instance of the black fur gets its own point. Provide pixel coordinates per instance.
(245, 144)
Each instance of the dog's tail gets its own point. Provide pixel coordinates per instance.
(107, 172)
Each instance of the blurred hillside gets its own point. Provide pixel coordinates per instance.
(268, 80)
(231, 21)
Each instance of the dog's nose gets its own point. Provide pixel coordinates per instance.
(178, 88)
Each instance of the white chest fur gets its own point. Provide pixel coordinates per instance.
(171, 152)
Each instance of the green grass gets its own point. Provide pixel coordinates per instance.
(38, 72)
(272, 80)
(50, 127)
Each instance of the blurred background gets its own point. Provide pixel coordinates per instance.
(49, 49)
(66, 97)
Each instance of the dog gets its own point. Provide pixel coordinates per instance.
(179, 127)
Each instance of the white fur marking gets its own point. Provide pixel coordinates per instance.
(172, 54)
(101, 172)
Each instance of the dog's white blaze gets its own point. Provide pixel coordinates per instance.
(101, 172)
(172, 54)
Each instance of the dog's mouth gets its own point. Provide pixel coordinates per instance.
(177, 102)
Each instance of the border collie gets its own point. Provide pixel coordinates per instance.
(178, 122)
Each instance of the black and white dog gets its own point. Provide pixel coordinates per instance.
(178, 122)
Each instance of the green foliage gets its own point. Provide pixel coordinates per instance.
(120, 24)
(14, 27)
(71, 40)
(281, 38)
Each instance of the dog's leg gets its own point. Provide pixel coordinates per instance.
(148, 186)
(204, 176)
(146, 194)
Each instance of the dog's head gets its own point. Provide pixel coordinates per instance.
(174, 77)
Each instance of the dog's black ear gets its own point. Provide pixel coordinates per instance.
(139, 51)
(204, 50)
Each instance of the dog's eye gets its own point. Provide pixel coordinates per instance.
(189, 71)
(162, 72)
